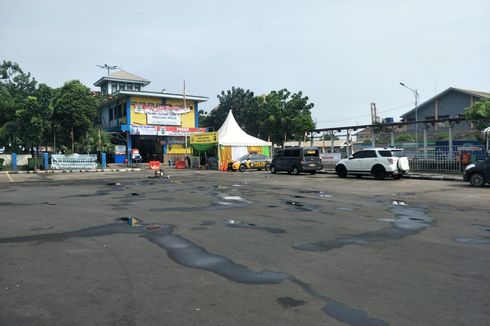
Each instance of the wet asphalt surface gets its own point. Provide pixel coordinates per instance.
(212, 248)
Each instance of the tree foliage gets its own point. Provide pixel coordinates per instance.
(74, 111)
(479, 113)
(33, 114)
(275, 116)
(239, 100)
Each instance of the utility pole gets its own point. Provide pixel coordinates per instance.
(374, 120)
(183, 123)
(72, 144)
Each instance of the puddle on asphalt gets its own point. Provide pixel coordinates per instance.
(482, 227)
(472, 240)
(409, 220)
(475, 240)
(316, 192)
(245, 225)
(186, 253)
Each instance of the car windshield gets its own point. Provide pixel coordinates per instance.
(244, 157)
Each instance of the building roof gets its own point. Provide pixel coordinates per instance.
(450, 89)
(197, 98)
(122, 75)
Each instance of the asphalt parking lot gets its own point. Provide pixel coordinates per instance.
(214, 248)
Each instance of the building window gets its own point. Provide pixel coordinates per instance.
(122, 86)
(137, 87)
(441, 117)
(129, 86)
(114, 87)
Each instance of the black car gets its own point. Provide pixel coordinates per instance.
(297, 159)
(478, 173)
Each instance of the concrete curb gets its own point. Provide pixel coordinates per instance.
(420, 176)
(72, 171)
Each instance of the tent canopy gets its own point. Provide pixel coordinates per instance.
(230, 134)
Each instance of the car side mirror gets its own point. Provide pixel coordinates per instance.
(351, 157)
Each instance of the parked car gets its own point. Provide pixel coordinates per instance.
(296, 160)
(478, 173)
(251, 161)
(378, 162)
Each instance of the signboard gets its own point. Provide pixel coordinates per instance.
(74, 161)
(330, 157)
(163, 118)
(152, 109)
(204, 138)
(120, 149)
(164, 131)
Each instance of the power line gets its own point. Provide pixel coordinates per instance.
(367, 115)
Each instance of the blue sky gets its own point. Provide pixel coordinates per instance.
(343, 55)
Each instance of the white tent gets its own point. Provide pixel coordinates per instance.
(230, 134)
(234, 142)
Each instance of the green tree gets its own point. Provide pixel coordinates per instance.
(404, 138)
(95, 140)
(479, 113)
(240, 101)
(74, 112)
(25, 108)
(284, 116)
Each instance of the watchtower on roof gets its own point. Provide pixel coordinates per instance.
(120, 80)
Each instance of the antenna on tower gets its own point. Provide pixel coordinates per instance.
(109, 68)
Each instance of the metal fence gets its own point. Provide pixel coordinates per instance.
(435, 158)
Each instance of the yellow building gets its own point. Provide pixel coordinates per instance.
(157, 124)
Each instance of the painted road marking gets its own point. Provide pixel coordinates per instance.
(10, 178)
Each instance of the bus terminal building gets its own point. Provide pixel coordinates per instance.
(156, 124)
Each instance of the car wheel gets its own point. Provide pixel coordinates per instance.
(313, 172)
(397, 176)
(268, 166)
(378, 172)
(273, 169)
(341, 171)
(477, 179)
(295, 171)
(242, 168)
(358, 176)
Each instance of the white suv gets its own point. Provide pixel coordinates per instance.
(378, 162)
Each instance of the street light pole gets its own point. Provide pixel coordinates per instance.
(416, 94)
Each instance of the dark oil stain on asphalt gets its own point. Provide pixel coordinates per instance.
(409, 220)
(244, 225)
(223, 201)
(207, 222)
(8, 203)
(301, 206)
(288, 302)
(188, 254)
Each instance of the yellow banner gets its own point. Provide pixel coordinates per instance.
(204, 138)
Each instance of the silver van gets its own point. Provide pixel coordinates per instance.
(295, 160)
